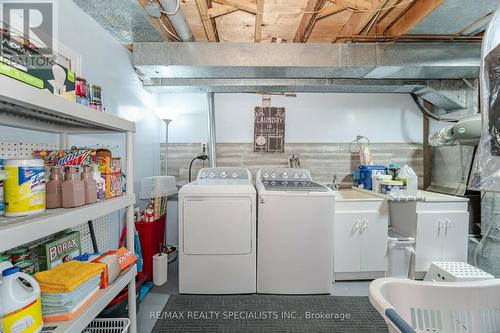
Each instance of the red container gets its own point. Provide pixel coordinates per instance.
(151, 235)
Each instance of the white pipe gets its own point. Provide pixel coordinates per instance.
(212, 153)
(167, 122)
(129, 220)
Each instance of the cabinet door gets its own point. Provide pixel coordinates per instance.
(430, 229)
(455, 238)
(373, 232)
(347, 245)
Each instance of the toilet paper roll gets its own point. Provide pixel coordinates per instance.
(160, 269)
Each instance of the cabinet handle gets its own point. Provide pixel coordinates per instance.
(364, 226)
(448, 226)
(440, 225)
(356, 226)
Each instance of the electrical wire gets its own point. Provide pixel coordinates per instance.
(428, 113)
(168, 31)
(199, 157)
(176, 10)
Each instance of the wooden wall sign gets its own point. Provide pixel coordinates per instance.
(269, 129)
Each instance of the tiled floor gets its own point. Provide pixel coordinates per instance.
(157, 298)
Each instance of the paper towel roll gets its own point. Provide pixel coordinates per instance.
(160, 269)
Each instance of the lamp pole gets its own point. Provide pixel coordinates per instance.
(167, 122)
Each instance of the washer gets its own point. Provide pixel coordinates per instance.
(295, 233)
(217, 233)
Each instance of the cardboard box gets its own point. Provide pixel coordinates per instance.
(27, 65)
(61, 249)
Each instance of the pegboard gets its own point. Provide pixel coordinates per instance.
(12, 150)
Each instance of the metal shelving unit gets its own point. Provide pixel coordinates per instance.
(26, 107)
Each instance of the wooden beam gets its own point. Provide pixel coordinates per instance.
(158, 26)
(419, 10)
(207, 22)
(244, 5)
(330, 10)
(355, 4)
(220, 10)
(258, 20)
(356, 23)
(308, 20)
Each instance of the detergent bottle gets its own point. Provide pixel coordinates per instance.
(410, 179)
(21, 305)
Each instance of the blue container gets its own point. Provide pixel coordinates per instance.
(366, 172)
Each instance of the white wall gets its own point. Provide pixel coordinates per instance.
(309, 117)
(107, 63)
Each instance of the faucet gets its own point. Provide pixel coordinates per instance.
(334, 185)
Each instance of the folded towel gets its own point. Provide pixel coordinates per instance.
(70, 307)
(72, 314)
(67, 276)
(60, 299)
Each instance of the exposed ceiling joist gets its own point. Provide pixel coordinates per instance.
(208, 24)
(330, 10)
(355, 4)
(357, 22)
(309, 17)
(258, 20)
(418, 10)
(220, 10)
(240, 4)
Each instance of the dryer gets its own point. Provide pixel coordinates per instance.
(295, 233)
(217, 233)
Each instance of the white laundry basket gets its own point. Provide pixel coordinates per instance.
(105, 325)
(448, 307)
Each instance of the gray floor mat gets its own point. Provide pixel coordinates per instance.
(268, 313)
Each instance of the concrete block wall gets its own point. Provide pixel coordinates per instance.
(323, 159)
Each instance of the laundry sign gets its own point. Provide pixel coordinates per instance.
(269, 129)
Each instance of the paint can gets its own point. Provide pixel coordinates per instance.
(24, 187)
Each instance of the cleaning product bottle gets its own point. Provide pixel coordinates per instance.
(100, 183)
(54, 188)
(410, 179)
(73, 190)
(90, 185)
(21, 305)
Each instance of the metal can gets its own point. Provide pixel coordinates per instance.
(82, 91)
(4, 257)
(27, 266)
(24, 187)
(19, 255)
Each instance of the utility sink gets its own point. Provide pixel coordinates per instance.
(351, 195)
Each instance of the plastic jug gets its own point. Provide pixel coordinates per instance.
(411, 179)
(21, 305)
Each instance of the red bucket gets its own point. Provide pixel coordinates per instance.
(151, 235)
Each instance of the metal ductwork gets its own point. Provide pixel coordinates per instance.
(177, 19)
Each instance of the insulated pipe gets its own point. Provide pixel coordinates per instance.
(212, 154)
(167, 122)
(177, 19)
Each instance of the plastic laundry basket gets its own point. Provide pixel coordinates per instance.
(115, 325)
(447, 307)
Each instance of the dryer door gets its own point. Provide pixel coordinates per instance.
(217, 225)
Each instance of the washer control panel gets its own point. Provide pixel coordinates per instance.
(289, 180)
(224, 174)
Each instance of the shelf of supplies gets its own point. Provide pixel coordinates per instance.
(16, 231)
(91, 311)
(24, 106)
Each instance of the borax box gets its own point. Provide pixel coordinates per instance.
(27, 65)
(59, 250)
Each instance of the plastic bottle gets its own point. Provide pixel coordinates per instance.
(100, 183)
(90, 185)
(54, 188)
(73, 190)
(21, 306)
(410, 179)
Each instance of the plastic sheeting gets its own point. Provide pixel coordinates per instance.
(486, 170)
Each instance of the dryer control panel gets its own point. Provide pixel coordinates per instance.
(224, 174)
